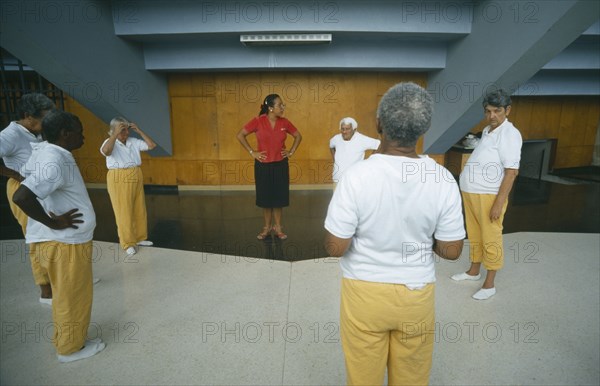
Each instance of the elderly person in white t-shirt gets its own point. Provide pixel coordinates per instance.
(15, 149)
(485, 182)
(60, 231)
(125, 182)
(349, 146)
(386, 218)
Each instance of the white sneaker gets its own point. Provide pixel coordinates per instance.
(130, 251)
(46, 301)
(95, 280)
(464, 276)
(145, 243)
(92, 347)
(484, 293)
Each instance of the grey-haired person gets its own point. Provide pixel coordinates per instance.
(349, 146)
(387, 217)
(485, 182)
(125, 182)
(15, 149)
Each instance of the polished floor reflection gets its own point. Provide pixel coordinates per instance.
(227, 222)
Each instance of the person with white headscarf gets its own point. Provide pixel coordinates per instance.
(349, 146)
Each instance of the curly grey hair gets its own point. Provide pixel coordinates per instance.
(404, 113)
(34, 104)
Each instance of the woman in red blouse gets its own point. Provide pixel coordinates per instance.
(271, 171)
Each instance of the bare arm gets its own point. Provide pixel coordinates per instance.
(332, 150)
(297, 139)
(506, 185)
(8, 172)
(27, 201)
(109, 145)
(336, 246)
(151, 144)
(241, 136)
(449, 250)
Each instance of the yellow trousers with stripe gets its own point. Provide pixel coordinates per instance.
(387, 325)
(485, 236)
(39, 274)
(69, 267)
(126, 191)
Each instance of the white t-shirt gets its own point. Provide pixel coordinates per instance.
(53, 176)
(347, 153)
(15, 148)
(125, 155)
(484, 171)
(391, 207)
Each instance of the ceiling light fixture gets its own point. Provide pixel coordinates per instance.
(284, 39)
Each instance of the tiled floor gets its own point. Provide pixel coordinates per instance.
(179, 317)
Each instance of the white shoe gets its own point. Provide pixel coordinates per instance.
(46, 301)
(145, 243)
(464, 276)
(92, 347)
(95, 280)
(130, 251)
(484, 293)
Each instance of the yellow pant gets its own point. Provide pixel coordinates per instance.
(485, 236)
(387, 325)
(126, 191)
(11, 187)
(69, 267)
(39, 274)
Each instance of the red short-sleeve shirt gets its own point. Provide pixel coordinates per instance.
(271, 140)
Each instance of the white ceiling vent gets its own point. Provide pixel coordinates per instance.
(284, 39)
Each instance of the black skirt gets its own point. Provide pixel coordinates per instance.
(272, 184)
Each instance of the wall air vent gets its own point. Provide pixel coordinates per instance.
(284, 39)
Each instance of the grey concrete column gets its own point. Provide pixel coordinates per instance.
(73, 45)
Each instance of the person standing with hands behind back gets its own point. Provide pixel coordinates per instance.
(386, 223)
(125, 182)
(271, 169)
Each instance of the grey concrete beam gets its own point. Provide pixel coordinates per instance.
(73, 45)
(556, 83)
(582, 54)
(508, 44)
(159, 17)
(349, 54)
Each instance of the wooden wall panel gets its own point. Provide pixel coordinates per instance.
(538, 128)
(159, 171)
(208, 109)
(552, 122)
(591, 124)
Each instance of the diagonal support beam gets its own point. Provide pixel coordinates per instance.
(510, 41)
(73, 45)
